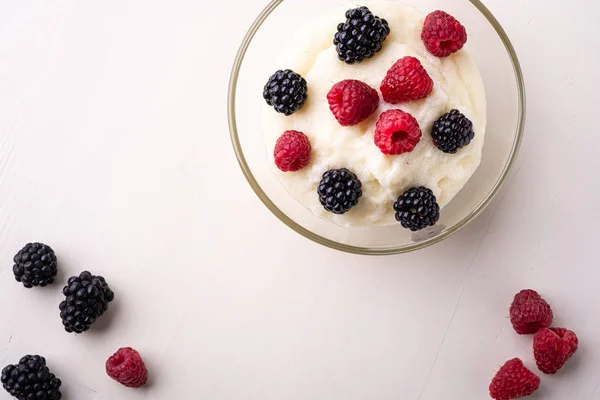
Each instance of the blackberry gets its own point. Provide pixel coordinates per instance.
(87, 299)
(35, 265)
(286, 91)
(339, 190)
(361, 36)
(417, 209)
(31, 379)
(452, 131)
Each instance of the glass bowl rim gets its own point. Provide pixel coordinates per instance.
(231, 95)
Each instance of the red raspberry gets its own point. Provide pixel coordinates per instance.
(552, 347)
(529, 312)
(292, 151)
(397, 132)
(513, 380)
(352, 101)
(407, 80)
(442, 34)
(127, 367)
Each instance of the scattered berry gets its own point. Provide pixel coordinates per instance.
(529, 312)
(552, 347)
(292, 151)
(35, 265)
(127, 367)
(407, 80)
(417, 209)
(513, 380)
(452, 131)
(286, 91)
(352, 101)
(397, 132)
(339, 190)
(442, 34)
(361, 36)
(87, 299)
(31, 379)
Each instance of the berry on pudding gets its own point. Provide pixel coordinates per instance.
(452, 131)
(417, 209)
(352, 101)
(442, 34)
(361, 36)
(286, 91)
(397, 132)
(407, 80)
(292, 151)
(339, 190)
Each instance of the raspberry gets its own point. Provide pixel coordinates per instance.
(529, 312)
(352, 101)
(397, 132)
(127, 367)
(442, 34)
(513, 380)
(407, 80)
(552, 347)
(292, 151)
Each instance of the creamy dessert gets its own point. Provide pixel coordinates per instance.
(370, 109)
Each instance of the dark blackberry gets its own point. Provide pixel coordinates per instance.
(361, 36)
(452, 131)
(417, 209)
(31, 379)
(339, 190)
(87, 299)
(35, 265)
(286, 91)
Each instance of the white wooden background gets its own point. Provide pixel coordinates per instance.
(114, 149)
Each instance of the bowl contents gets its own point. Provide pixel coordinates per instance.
(87, 298)
(127, 367)
(35, 265)
(31, 379)
(385, 94)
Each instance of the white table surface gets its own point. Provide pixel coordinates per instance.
(114, 149)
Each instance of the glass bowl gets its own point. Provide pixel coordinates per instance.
(501, 73)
